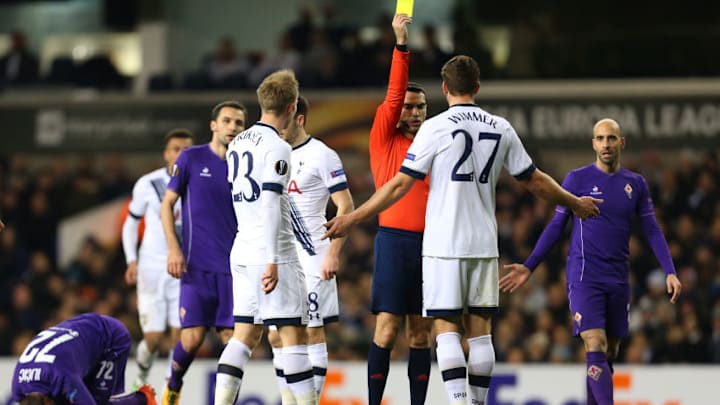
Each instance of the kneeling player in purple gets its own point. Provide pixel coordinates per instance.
(598, 268)
(78, 361)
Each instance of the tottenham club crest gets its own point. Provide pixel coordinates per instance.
(281, 167)
(628, 191)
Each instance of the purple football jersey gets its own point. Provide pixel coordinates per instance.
(208, 230)
(79, 361)
(599, 247)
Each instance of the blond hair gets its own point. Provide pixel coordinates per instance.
(277, 91)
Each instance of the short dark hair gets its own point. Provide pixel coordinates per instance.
(230, 103)
(179, 133)
(34, 399)
(302, 107)
(461, 74)
(415, 87)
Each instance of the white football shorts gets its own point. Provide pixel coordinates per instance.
(459, 286)
(285, 305)
(322, 297)
(158, 297)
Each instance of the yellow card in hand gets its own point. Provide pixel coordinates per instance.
(404, 7)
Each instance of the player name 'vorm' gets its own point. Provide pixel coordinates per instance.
(251, 136)
(473, 116)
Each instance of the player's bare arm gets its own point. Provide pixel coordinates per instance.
(344, 203)
(386, 196)
(517, 275)
(131, 273)
(130, 241)
(2, 225)
(545, 187)
(674, 287)
(175, 260)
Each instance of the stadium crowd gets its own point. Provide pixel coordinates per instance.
(555, 41)
(533, 323)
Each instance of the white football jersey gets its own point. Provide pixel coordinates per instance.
(147, 195)
(463, 150)
(316, 172)
(259, 162)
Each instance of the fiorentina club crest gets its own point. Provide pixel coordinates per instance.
(628, 191)
(594, 372)
(578, 318)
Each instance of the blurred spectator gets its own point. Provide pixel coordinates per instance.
(115, 182)
(467, 41)
(686, 238)
(562, 348)
(300, 33)
(523, 42)
(285, 57)
(84, 190)
(36, 276)
(13, 255)
(225, 67)
(9, 205)
(25, 316)
(704, 198)
(21, 341)
(638, 350)
(428, 61)
(99, 72)
(334, 30)
(40, 224)
(6, 334)
(18, 65)
(320, 63)
(714, 347)
(354, 56)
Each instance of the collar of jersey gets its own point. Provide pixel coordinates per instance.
(464, 105)
(262, 124)
(304, 143)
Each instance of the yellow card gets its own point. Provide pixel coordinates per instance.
(404, 7)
